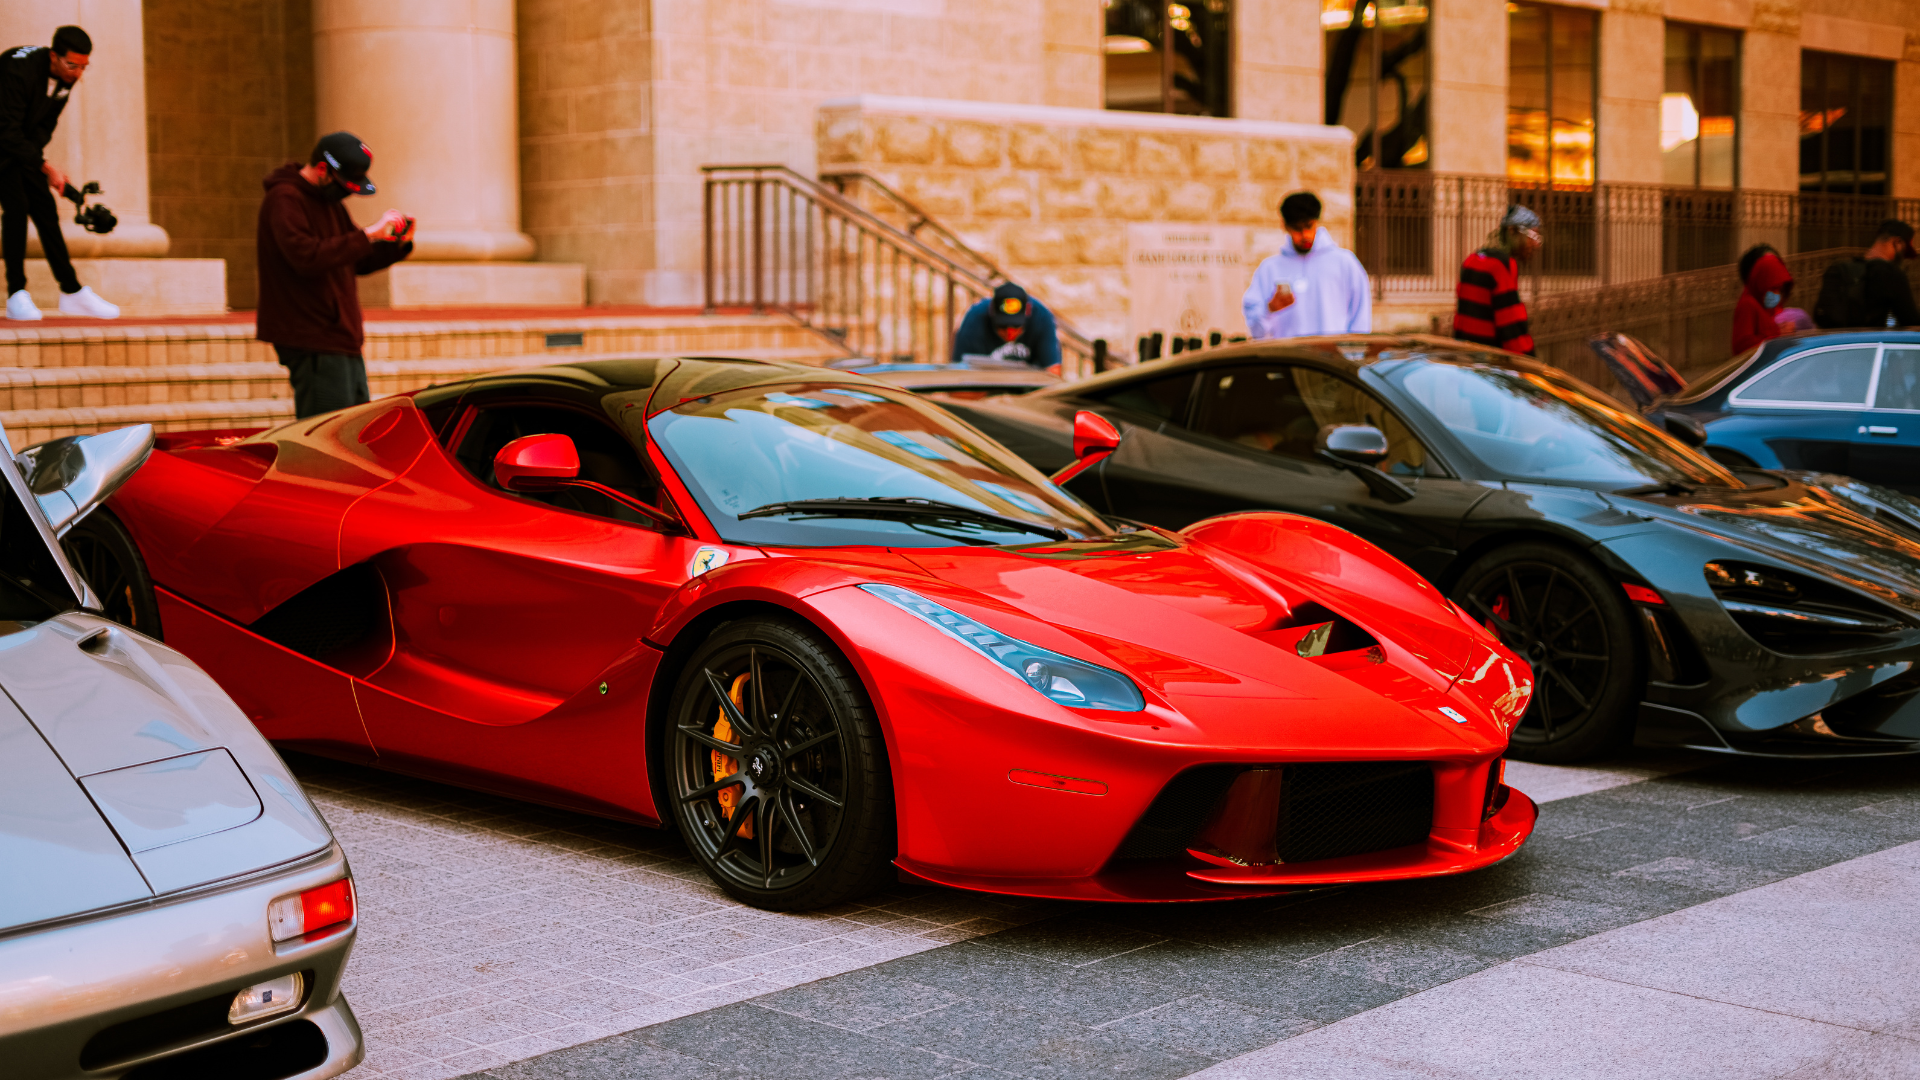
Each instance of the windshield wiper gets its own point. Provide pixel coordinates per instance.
(894, 507)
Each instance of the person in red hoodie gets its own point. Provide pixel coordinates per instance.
(309, 252)
(1767, 287)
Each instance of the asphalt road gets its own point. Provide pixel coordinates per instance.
(516, 943)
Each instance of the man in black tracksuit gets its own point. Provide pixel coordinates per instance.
(35, 83)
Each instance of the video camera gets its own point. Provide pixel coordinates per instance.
(96, 218)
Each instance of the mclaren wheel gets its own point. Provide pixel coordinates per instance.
(777, 770)
(1572, 624)
(104, 553)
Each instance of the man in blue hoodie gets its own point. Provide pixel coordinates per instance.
(1313, 286)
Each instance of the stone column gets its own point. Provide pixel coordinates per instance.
(1070, 50)
(1770, 102)
(430, 87)
(1468, 102)
(1278, 69)
(103, 131)
(1633, 45)
(1905, 182)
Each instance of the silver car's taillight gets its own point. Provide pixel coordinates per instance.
(316, 909)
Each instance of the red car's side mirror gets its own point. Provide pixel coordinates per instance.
(536, 462)
(1094, 437)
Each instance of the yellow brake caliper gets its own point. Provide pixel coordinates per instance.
(725, 766)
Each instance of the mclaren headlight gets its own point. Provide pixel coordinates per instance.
(1793, 613)
(1073, 683)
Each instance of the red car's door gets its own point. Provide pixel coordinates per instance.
(516, 661)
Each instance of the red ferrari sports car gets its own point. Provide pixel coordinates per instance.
(825, 630)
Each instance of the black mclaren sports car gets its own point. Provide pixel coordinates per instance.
(1660, 596)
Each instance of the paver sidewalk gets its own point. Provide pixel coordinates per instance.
(1816, 976)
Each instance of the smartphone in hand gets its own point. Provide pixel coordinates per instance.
(1282, 298)
(405, 232)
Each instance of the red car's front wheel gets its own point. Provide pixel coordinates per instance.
(777, 770)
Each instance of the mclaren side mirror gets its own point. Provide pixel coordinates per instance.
(1355, 444)
(1094, 437)
(536, 463)
(1685, 428)
(1359, 449)
(72, 476)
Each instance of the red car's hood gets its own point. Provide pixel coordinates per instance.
(1215, 632)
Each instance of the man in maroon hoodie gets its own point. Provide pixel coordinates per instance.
(309, 252)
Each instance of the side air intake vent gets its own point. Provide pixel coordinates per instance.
(329, 616)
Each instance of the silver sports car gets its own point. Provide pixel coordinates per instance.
(171, 905)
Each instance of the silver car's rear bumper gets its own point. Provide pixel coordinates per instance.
(101, 997)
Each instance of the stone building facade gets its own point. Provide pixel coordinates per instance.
(1093, 209)
(552, 148)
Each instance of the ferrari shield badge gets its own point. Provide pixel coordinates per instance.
(707, 558)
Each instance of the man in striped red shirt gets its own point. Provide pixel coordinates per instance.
(1488, 309)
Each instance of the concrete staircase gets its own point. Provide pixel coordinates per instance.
(76, 380)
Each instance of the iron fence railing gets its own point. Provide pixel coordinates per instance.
(778, 241)
(1414, 228)
(1686, 317)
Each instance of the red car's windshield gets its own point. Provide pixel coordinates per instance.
(821, 464)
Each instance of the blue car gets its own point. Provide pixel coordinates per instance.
(1824, 402)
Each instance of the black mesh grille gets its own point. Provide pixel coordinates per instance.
(1181, 807)
(1353, 807)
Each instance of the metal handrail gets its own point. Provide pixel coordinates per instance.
(917, 219)
(775, 240)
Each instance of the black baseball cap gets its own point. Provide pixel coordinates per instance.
(349, 159)
(1010, 306)
(1901, 231)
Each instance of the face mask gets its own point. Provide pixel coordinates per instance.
(333, 192)
(1770, 301)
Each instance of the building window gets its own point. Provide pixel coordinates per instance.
(1699, 107)
(1551, 71)
(1191, 78)
(1846, 109)
(1377, 80)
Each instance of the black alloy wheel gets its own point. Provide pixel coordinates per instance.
(102, 550)
(777, 770)
(1573, 626)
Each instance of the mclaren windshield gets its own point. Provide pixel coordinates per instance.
(819, 464)
(1531, 425)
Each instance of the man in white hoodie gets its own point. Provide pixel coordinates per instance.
(1313, 286)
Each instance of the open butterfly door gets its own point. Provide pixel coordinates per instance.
(1641, 371)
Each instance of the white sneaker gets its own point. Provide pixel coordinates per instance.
(84, 303)
(20, 307)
